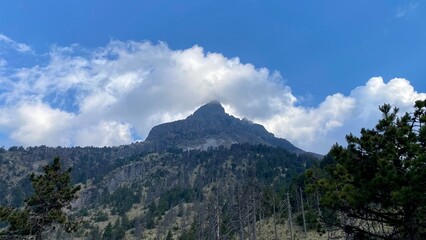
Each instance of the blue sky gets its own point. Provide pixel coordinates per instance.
(304, 69)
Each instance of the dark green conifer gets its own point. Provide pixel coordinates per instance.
(376, 185)
(44, 209)
(108, 232)
(169, 235)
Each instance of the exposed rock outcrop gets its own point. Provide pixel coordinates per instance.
(211, 126)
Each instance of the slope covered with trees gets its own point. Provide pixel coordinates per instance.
(219, 192)
(371, 189)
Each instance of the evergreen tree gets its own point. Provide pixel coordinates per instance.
(119, 232)
(169, 235)
(108, 232)
(375, 186)
(95, 234)
(125, 223)
(53, 194)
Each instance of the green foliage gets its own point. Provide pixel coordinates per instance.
(311, 220)
(19, 222)
(118, 230)
(3, 189)
(378, 179)
(187, 175)
(150, 220)
(22, 190)
(114, 232)
(169, 235)
(189, 234)
(125, 223)
(108, 233)
(53, 193)
(95, 234)
(100, 217)
(168, 200)
(172, 197)
(122, 199)
(83, 212)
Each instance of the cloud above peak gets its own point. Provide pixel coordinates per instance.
(115, 94)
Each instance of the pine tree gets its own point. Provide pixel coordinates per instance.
(119, 232)
(108, 233)
(125, 223)
(95, 234)
(169, 235)
(376, 185)
(53, 194)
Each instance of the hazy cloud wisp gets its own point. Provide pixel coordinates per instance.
(20, 47)
(406, 9)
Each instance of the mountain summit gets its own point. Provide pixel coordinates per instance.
(211, 126)
(209, 111)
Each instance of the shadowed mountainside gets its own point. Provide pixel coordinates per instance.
(211, 126)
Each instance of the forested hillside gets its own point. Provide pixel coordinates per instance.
(196, 194)
(209, 176)
(167, 188)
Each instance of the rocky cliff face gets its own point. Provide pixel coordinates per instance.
(211, 126)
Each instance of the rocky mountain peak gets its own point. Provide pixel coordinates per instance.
(211, 110)
(211, 126)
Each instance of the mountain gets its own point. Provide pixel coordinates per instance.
(208, 172)
(210, 126)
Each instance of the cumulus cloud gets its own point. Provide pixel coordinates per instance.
(319, 128)
(115, 94)
(107, 134)
(31, 123)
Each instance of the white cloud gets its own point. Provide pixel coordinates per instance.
(35, 123)
(318, 128)
(307, 127)
(20, 47)
(104, 134)
(103, 96)
(397, 91)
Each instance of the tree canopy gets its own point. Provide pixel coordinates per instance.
(375, 187)
(53, 194)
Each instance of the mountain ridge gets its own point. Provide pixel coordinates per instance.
(211, 126)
